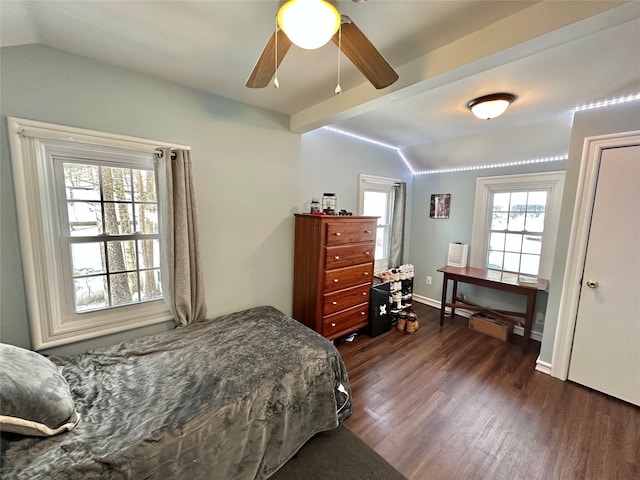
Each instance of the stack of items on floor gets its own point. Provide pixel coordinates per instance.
(401, 287)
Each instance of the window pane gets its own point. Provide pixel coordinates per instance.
(124, 288)
(516, 222)
(116, 184)
(144, 183)
(501, 202)
(535, 222)
(381, 243)
(496, 241)
(495, 260)
(87, 258)
(511, 262)
(513, 242)
(121, 256)
(146, 218)
(150, 285)
(530, 264)
(537, 201)
(82, 182)
(149, 252)
(118, 218)
(518, 202)
(532, 244)
(376, 205)
(499, 221)
(89, 293)
(85, 218)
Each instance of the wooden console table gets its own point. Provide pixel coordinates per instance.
(498, 281)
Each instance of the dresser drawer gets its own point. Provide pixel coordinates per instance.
(350, 319)
(334, 302)
(337, 257)
(350, 232)
(346, 277)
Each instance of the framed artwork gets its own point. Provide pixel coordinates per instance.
(440, 203)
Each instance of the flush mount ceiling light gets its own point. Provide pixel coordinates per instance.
(490, 106)
(308, 23)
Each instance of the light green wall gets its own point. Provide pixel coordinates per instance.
(588, 123)
(430, 237)
(332, 163)
(251, 174)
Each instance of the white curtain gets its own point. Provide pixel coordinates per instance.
(182, 278)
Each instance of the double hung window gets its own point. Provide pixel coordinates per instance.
(109, 230)
(88, 206)
(376, 200)
(515, 223)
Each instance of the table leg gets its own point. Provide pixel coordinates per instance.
(528, 319)
(454, 295)
(445, 283)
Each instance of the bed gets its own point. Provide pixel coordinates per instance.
(229, 398)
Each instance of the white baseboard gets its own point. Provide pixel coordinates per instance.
(426, 301)
(543, 367)
(466, 313)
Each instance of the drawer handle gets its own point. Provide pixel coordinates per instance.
(338, 234)
(362, 313)
(337, 257)
(366, 273)
(364, 294)
(335, 280)
(334, 303)
(367, 231)
(367, 253)
(333, 324)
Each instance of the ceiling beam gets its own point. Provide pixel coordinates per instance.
(539, 27)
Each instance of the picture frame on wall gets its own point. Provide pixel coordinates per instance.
(440, 205)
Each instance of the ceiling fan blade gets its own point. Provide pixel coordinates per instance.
(357, 47)
(265, 67)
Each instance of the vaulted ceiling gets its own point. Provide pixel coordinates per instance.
(554, 55)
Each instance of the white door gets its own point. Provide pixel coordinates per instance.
(606, 344)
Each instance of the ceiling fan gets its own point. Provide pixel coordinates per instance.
(342, 31)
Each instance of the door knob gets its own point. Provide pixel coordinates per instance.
(592, 283)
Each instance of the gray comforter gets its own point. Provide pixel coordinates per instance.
(231, 398)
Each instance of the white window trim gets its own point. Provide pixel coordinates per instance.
(383, 184)
(486, 186)
(32, 145)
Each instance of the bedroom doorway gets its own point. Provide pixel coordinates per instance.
(597, 343)
(606, 354)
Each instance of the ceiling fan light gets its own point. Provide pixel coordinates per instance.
(490, 106)
(309, 24)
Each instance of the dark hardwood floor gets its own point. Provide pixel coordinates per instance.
(451, 403)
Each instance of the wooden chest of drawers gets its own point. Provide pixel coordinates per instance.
(333, 272)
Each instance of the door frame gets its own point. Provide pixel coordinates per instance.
(579, 236)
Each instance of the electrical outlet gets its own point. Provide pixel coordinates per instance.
(540, 317)
(428, 280)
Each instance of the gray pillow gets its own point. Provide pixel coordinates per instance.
(34, 397)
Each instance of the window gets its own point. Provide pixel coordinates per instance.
(89, 232)
(376, 199)
(109, 229)
(515, 223)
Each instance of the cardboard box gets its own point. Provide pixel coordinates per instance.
(490, 326)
